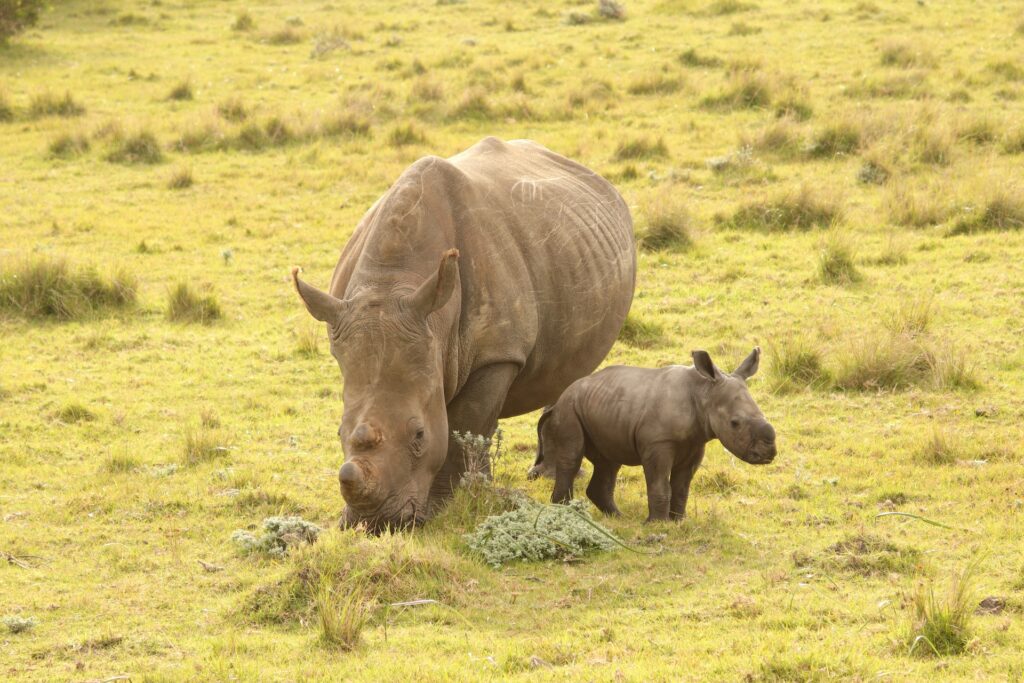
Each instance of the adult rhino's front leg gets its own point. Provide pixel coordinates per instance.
(475, 410)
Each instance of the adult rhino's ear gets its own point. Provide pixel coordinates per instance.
(321, 305)
(436, 289)
(702, 364)
(748, 368)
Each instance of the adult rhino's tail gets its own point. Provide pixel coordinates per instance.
(540, 469)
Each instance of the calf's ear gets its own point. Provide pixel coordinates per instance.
(321, 305)
(702, 364)
(436, 289)
(748, 368)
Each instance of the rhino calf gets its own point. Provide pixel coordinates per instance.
(659, 419)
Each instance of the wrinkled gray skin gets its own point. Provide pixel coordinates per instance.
(536, 276)
(659, 419)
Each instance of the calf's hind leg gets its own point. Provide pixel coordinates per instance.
(601, 490)
(562, 441)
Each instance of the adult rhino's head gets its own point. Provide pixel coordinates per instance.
(394, 429)
(734, 418)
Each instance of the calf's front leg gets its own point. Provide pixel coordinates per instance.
(657, 463)
(682, 475)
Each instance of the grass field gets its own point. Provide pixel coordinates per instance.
(839, 182)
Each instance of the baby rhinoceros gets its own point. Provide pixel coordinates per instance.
(659, 419)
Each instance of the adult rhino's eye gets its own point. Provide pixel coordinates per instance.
(420, 434)
(734, 423)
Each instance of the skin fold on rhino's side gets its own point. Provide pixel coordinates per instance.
(477, 287)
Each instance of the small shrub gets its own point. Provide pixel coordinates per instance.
(801, 209)
(15, 623)
(139, 148)
(836, 262)
(181, 178)
(233, 109)
(941, 626)
(72, 413)
(938, 450)
(279, 535)
(746, 90)
(690, 57)
(873, 172)
(576, 18)
(48, 104)
(796, 363)
(182, 91)
(49, 288)
(185, 305)
(243, 22)
(480, 456)
(203, 445)
(640, 148)
(656, 83)
(534, 532)
(1003, 210)
(667, 225)
(837, 139)
(640, 333)
(406, 134)
(906, 56)
(68, 145)
(342, 618)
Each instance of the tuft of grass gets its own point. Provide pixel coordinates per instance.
(641, 333)
(938, 449)
(286, 35)
(836, 261)
(979, 131)
(1002, 210)
(907, 85)
(940, 626)
(723, 7)
(203, 445)
(933, 145)
(796, 363)
(426, 89)
(406, 134)
(233, 109)
(181, 178)
(837, 139)
(73, 413)
(781, 138)
(473, 105)
(186, 306)
(887, 362)
(243, 22)
(952, 369)
(342, 618)
(794, 106)
(1007, 70)
(917, 208)
(667, 225)
(50, 288)
(911, 317)
(201, 136)
(655, 83)
(344, 124)
(745, 90)
(874, 171)
(800, 209)
(903, 54)
(49, 104)
(120, 463)
(68, 145)
(690, 57)
(1013, 142)
(182, 91)
(307, 341)
(138, 148)
(640, 148)
(6, 110)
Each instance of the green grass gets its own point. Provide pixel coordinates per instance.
(291, 143)
(185, 305)
(940, 625)
(40, 288)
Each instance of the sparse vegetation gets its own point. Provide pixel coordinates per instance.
(184, 305)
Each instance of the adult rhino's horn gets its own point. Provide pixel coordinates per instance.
(436, 289)
(320, 305)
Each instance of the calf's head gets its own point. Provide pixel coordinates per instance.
(394, 429)
(731, 413)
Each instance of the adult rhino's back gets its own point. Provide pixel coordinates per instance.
(550, 260)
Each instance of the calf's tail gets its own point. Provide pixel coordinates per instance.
(538, 469)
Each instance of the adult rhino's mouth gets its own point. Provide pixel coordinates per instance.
(762, 453)
(384, 517)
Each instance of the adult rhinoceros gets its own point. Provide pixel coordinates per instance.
(536, 276)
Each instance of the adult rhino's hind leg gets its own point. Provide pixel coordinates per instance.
(562, 436)
(475, 410)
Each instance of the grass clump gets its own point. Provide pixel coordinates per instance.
(640, 148)
(667, 225)
(233, 109)
(911, 317)
(243, 22)
(867, 554)
(746, 90)
(307, 341)
(50, 288)
(906, 56)
(68, 145)
(473, 105)
(938, 449)
(1003, 210)
(836, 261)
(120, 463)
(286, 35)
(49, 104)
(979, 131)
(640, 333)
(933, 145)
(182, 91)
(203, 445)
(279, 535)
(184, 305)
(181, 178)
(16, 623)
(406, 134)
(6, 110)
(796, 363)
(801, 209)
(535, 532)
(941, 625)
(917, 208)
(343, 617)
(656, 83)
(73, 413)
(838, 139)
(141, 147)
(887, 362)
(690, 57)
